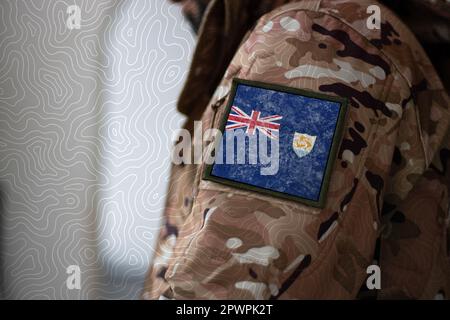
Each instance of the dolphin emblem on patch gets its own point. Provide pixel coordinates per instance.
(303, 144)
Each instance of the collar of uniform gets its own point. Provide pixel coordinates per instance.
(224, 25)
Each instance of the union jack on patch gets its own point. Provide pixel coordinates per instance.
(239, 119)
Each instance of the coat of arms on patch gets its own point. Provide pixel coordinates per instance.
(303, 143)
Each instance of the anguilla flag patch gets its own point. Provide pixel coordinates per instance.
(279, 141)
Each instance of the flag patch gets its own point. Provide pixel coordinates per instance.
(299, 129)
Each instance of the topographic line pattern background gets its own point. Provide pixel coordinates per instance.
(86, 118)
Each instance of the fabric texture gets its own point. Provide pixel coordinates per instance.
(390, 180)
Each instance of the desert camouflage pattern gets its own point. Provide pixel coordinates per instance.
(389, 184)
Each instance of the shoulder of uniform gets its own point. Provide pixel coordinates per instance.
(397, 44)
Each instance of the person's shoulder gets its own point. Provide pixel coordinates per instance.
(369, 21)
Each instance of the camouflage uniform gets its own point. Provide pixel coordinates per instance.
(390, 180)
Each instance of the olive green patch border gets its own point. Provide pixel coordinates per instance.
(337, 136)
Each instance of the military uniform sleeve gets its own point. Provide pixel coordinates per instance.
(389, 179)
(238, 244)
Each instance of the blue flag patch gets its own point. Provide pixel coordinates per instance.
(302, 128)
